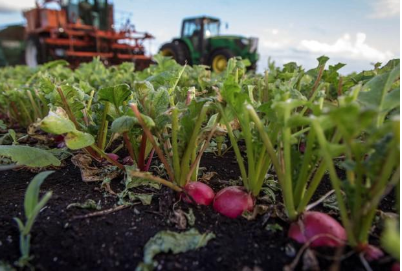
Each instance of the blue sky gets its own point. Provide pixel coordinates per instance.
(355, 32)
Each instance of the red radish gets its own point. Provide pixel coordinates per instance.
(395, 267)
(128, 161)
(200, 192)
(312, 224)
(113, 156)
(371, 253)
(59, 139)
(232, 201)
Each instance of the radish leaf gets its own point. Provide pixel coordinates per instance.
(29, 156)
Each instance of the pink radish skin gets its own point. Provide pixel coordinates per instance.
(232, 201)
(371, 253)
(316, 223)
(113, 156)
(395, 267)
(200, 192)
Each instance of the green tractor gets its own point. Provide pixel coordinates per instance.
(201, 43)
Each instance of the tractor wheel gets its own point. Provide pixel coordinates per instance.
(219, 60)
(177, 51)
(34, 52)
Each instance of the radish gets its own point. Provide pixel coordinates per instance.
(232, 201)
(371, 253)
(395, 267)
(200, 192)
(59, 139)
(113, 156)
(312, 224)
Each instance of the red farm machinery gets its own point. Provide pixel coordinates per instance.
(77, 31)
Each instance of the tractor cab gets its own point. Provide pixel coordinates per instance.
(197, 30)
(200, 42)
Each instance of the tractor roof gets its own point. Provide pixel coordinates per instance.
(202, 17)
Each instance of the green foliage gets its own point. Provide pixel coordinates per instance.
(3, 126)
(29, 156)
(291, 121)
(390, 238)
(371, 151)
(115, 95)
(274, 228)
(382, 93)
(123, 124)
(58, 123)
(32, 206)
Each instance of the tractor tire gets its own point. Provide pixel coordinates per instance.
(178, 51)
(218, 60)
(34, 52)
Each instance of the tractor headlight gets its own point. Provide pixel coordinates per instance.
(253, 45)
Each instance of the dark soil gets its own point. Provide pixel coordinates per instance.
(115, 241)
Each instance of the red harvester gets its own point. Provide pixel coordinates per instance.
(77, 31)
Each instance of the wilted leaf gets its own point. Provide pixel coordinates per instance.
(145, 199)
(57, 123)
(206, 177)
(93, 174)
(168, 241)
(29, 156)
(190, 217)
(259, 209)
(136, 182)
(88, 204)
(181, 218)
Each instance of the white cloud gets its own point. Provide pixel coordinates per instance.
(385, 9)
(346, 48)
(351, 49)
(267, 44)
(10, 6)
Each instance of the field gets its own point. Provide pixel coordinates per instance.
(178, 168)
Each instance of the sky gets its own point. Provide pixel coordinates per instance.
(355, 32)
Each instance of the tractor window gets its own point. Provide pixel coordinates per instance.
(211, 29)
(190, 28)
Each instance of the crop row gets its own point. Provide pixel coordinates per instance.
(298, 125)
